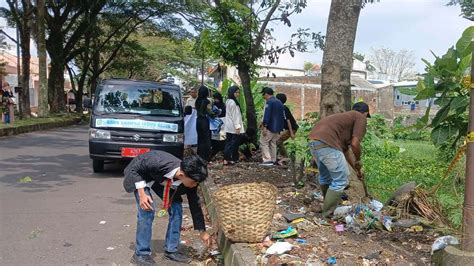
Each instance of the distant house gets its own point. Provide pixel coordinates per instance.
(404, 94)
(315, 71)
(12, 78)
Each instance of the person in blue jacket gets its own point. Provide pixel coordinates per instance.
(273, 123)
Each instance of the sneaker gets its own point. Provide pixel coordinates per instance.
(177, 256)
(267, 164)
(142, 260)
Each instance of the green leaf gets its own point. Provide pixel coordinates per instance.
(459, 104)
(440, 115)
(464, 46)
(465, 63)
(442, 133)
(425, 94)
(423, 121)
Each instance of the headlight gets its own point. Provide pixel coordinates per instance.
(99, 134)
(173, 138)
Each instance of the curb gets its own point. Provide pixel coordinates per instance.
(10, 131)
(234, 254)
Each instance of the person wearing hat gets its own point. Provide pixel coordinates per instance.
(331, 140)
(169, 178)
(273, 123)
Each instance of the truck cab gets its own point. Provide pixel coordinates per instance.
(131, 117)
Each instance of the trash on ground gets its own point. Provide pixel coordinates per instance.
(376, 205)
(300, 241)
(318, 196)
(110, 248)
(25, 179)
(332, 261)
(442, 242)
(416, 228)
(290, 217)
(289, 232)
(102, 222)
(126, 225)
(296, 221)
(279, 248)
(406, 223)
(342, 211)
(339, 228)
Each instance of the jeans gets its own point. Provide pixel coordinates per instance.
(145, 223)
(231, 149)
(332, 165)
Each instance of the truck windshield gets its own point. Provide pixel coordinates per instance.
(142, 100)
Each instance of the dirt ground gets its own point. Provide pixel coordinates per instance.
(372, 247)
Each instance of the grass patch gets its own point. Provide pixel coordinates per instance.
(386, 171)
(40, 120)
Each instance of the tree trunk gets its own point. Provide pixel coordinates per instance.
(337, 58)
(43, 76)
(25, 62)
(56, 87)
(244, 74)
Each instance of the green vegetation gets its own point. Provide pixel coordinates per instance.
(41, 120)
(390, 163)
(445, 81)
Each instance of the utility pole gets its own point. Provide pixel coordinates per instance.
(43, 76)
(467, 242)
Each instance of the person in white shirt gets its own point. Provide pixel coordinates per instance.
(233, 126)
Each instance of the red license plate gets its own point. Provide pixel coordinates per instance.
(133, 152)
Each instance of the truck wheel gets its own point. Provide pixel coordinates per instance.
(98, 166)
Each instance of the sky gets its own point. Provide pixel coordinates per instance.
(415, 25)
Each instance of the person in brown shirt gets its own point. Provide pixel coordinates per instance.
(330, 141)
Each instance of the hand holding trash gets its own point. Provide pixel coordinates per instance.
(205, 238)
(145, 200)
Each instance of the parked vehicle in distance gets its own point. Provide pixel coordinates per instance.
(131, 117)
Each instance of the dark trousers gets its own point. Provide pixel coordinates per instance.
(231, 149)
(216, 147)
(204, 138)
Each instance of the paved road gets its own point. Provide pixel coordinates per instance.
(54, 219)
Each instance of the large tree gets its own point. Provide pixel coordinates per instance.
(41, 43)
(67, 23)
(337, 58)
(21, 14)
(338, 55)
(239, 33)
(398, 65)
(111, 37)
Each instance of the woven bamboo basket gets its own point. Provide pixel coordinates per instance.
(245, 211)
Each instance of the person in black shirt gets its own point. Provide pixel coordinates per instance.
(204, 109)
(169, 178)
(290, 128)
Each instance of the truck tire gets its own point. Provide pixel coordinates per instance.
(98, 166)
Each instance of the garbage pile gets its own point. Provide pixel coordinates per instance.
(296, 238)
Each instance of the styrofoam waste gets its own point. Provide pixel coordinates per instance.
(342, 211)
(376, 205)
(279, 248)
(442, 242)
(349, 219)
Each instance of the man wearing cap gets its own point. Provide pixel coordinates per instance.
(169, 178)
(273, 123)
(330, 141)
